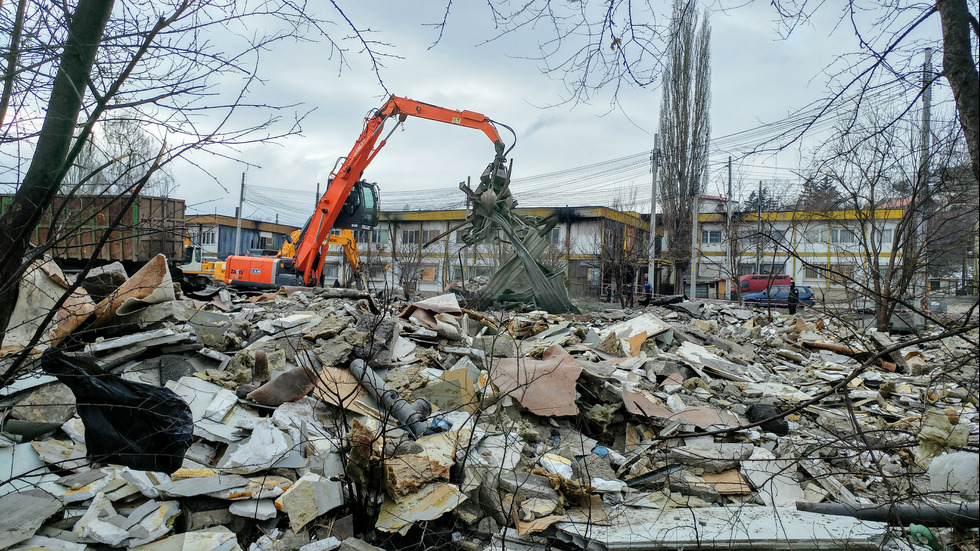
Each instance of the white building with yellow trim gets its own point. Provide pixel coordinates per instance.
(822, 250)
(395, 252)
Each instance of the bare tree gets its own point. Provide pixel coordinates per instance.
(685, 129)
(596, 46)
(893, 225)
(116, 154)
(160, 65)
(617, 252)
(406, 258)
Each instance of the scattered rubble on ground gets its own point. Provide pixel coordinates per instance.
(322, 420)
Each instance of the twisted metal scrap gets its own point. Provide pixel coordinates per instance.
(493, 217)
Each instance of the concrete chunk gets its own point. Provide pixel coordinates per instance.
(311, 496)
(21, 514)
(258, 509)
(723, 528)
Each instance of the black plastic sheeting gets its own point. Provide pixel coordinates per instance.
(127, 423)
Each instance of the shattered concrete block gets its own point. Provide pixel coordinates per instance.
(689, 484)
(378, 346)
(151, 521)
(723, 528)
(555, 464)
(354, 544)
(22, 513)
(328, 544)
(405, 474)
(44, 543)
(773, 478)
(259, 487)
(711, 458)
(50, 403)
(430, 502)
(218, 538)
(310, 497)
(93, 528)
(536, 507)
(527, 484)
(496, 346)
(258, 509)
(956, 472)
(223, 401)
(196, 482)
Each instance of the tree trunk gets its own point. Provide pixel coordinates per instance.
(47, 168)
(960, 70)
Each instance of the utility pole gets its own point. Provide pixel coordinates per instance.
(694, 247)
(238, 224)
(652, 254)
(758, 236)
(923, 187)
(728, 234)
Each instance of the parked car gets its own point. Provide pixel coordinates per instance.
(778, 295)
(759, 282)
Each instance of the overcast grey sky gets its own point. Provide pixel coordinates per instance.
(757, 77)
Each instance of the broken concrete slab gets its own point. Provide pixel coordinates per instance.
(311, 496)
(711, 458)
(258, 509)
(218, 538)
(774, 478)
(196, 482)
(22, 513)
(725, 528)
(431, 502)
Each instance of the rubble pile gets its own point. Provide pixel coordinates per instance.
(321, 420)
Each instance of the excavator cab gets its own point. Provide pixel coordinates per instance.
(360, 210)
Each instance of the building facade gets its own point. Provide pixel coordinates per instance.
(423, 250)
(824, 250)
(217, 234)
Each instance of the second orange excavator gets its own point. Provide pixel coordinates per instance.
(349, 202)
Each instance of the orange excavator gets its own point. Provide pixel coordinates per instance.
(348, 201)
(346, 241)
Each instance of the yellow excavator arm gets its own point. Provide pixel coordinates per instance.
(345, 240)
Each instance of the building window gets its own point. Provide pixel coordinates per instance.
(711, 236)
(266, 240)
(415, 236)
(330, 272)
(556, 235)
(842, 236)
(841, 273)
(428, 272)
(208, 238)
(886, 237)
(779, 236)
(812, 272)
(370, 236)
(815, 235)
(769, 268)
(376, 271)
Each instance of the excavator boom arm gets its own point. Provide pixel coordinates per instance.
(404, 107)
(309, 251)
